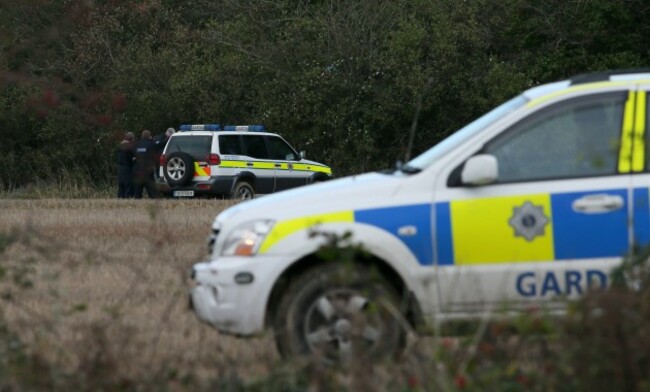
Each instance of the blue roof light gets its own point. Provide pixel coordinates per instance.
(199, 127)
(249, 128)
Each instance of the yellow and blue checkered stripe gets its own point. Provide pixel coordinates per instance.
(474, 232)
(462, 239)
(389, 219)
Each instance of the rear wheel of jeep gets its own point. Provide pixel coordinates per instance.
(337, 313)
(243, 191)
(179, 168)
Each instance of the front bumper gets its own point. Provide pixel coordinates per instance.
(221, 298)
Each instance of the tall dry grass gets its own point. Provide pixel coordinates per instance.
(114, 272)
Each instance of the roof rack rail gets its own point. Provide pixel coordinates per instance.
(605, 75)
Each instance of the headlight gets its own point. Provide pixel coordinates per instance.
(246, 239)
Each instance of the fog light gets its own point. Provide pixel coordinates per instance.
(244, 278)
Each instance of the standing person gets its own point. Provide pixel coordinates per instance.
(125, 159)
(161, 142)
(145, 165)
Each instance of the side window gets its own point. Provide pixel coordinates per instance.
(578, 138)
(230, 145)
(280, 150)
(197, 146)
(255, 147)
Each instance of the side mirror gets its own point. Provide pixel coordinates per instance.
(303, 154)
(480, 170)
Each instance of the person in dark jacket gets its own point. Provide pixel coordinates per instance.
(125, 159)
(161, 142)
(145, 165)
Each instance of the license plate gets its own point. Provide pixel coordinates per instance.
(183, 193)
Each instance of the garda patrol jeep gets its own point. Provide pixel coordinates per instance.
(238, 161)
(532, 203)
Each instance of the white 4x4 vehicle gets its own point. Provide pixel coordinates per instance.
(532, 203)
(238, 161)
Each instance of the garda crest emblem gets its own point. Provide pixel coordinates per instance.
(528, 221)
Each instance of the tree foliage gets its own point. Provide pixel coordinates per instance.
(341, 79)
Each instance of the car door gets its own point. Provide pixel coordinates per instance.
(259, 163)
(284, 157)
(556, 218)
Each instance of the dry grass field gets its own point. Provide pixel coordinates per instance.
(96, 290)
(103, 282)
(100, 285)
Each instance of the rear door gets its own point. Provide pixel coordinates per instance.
(259, 163)
(231, 151)
(555, 221)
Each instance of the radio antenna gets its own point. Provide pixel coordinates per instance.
(414, 124)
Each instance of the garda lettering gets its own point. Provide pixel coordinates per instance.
(531, 284)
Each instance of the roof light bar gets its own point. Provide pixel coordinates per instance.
(245, 128)
(199, 127)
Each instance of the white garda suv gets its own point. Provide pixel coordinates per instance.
(532, 203)
(238, 161)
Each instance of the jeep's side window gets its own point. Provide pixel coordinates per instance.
(280, 150)
(255, 147)
(578, 138)
(229, 145)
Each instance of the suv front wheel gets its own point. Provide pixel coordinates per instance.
(339, 313)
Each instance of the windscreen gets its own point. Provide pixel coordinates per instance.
(428, 157)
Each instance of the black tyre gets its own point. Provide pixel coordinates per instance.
(179, 168)
(316, 179)
(337, 313)
(243, 191)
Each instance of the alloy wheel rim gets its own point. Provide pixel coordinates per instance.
(245, 194)
(341, 324)
(176, 168)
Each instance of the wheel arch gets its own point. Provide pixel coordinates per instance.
(244, 176)
(313, 260)
(318, 177)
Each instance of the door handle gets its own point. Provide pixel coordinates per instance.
(249, 163)
(595, 204)
(277, 165)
